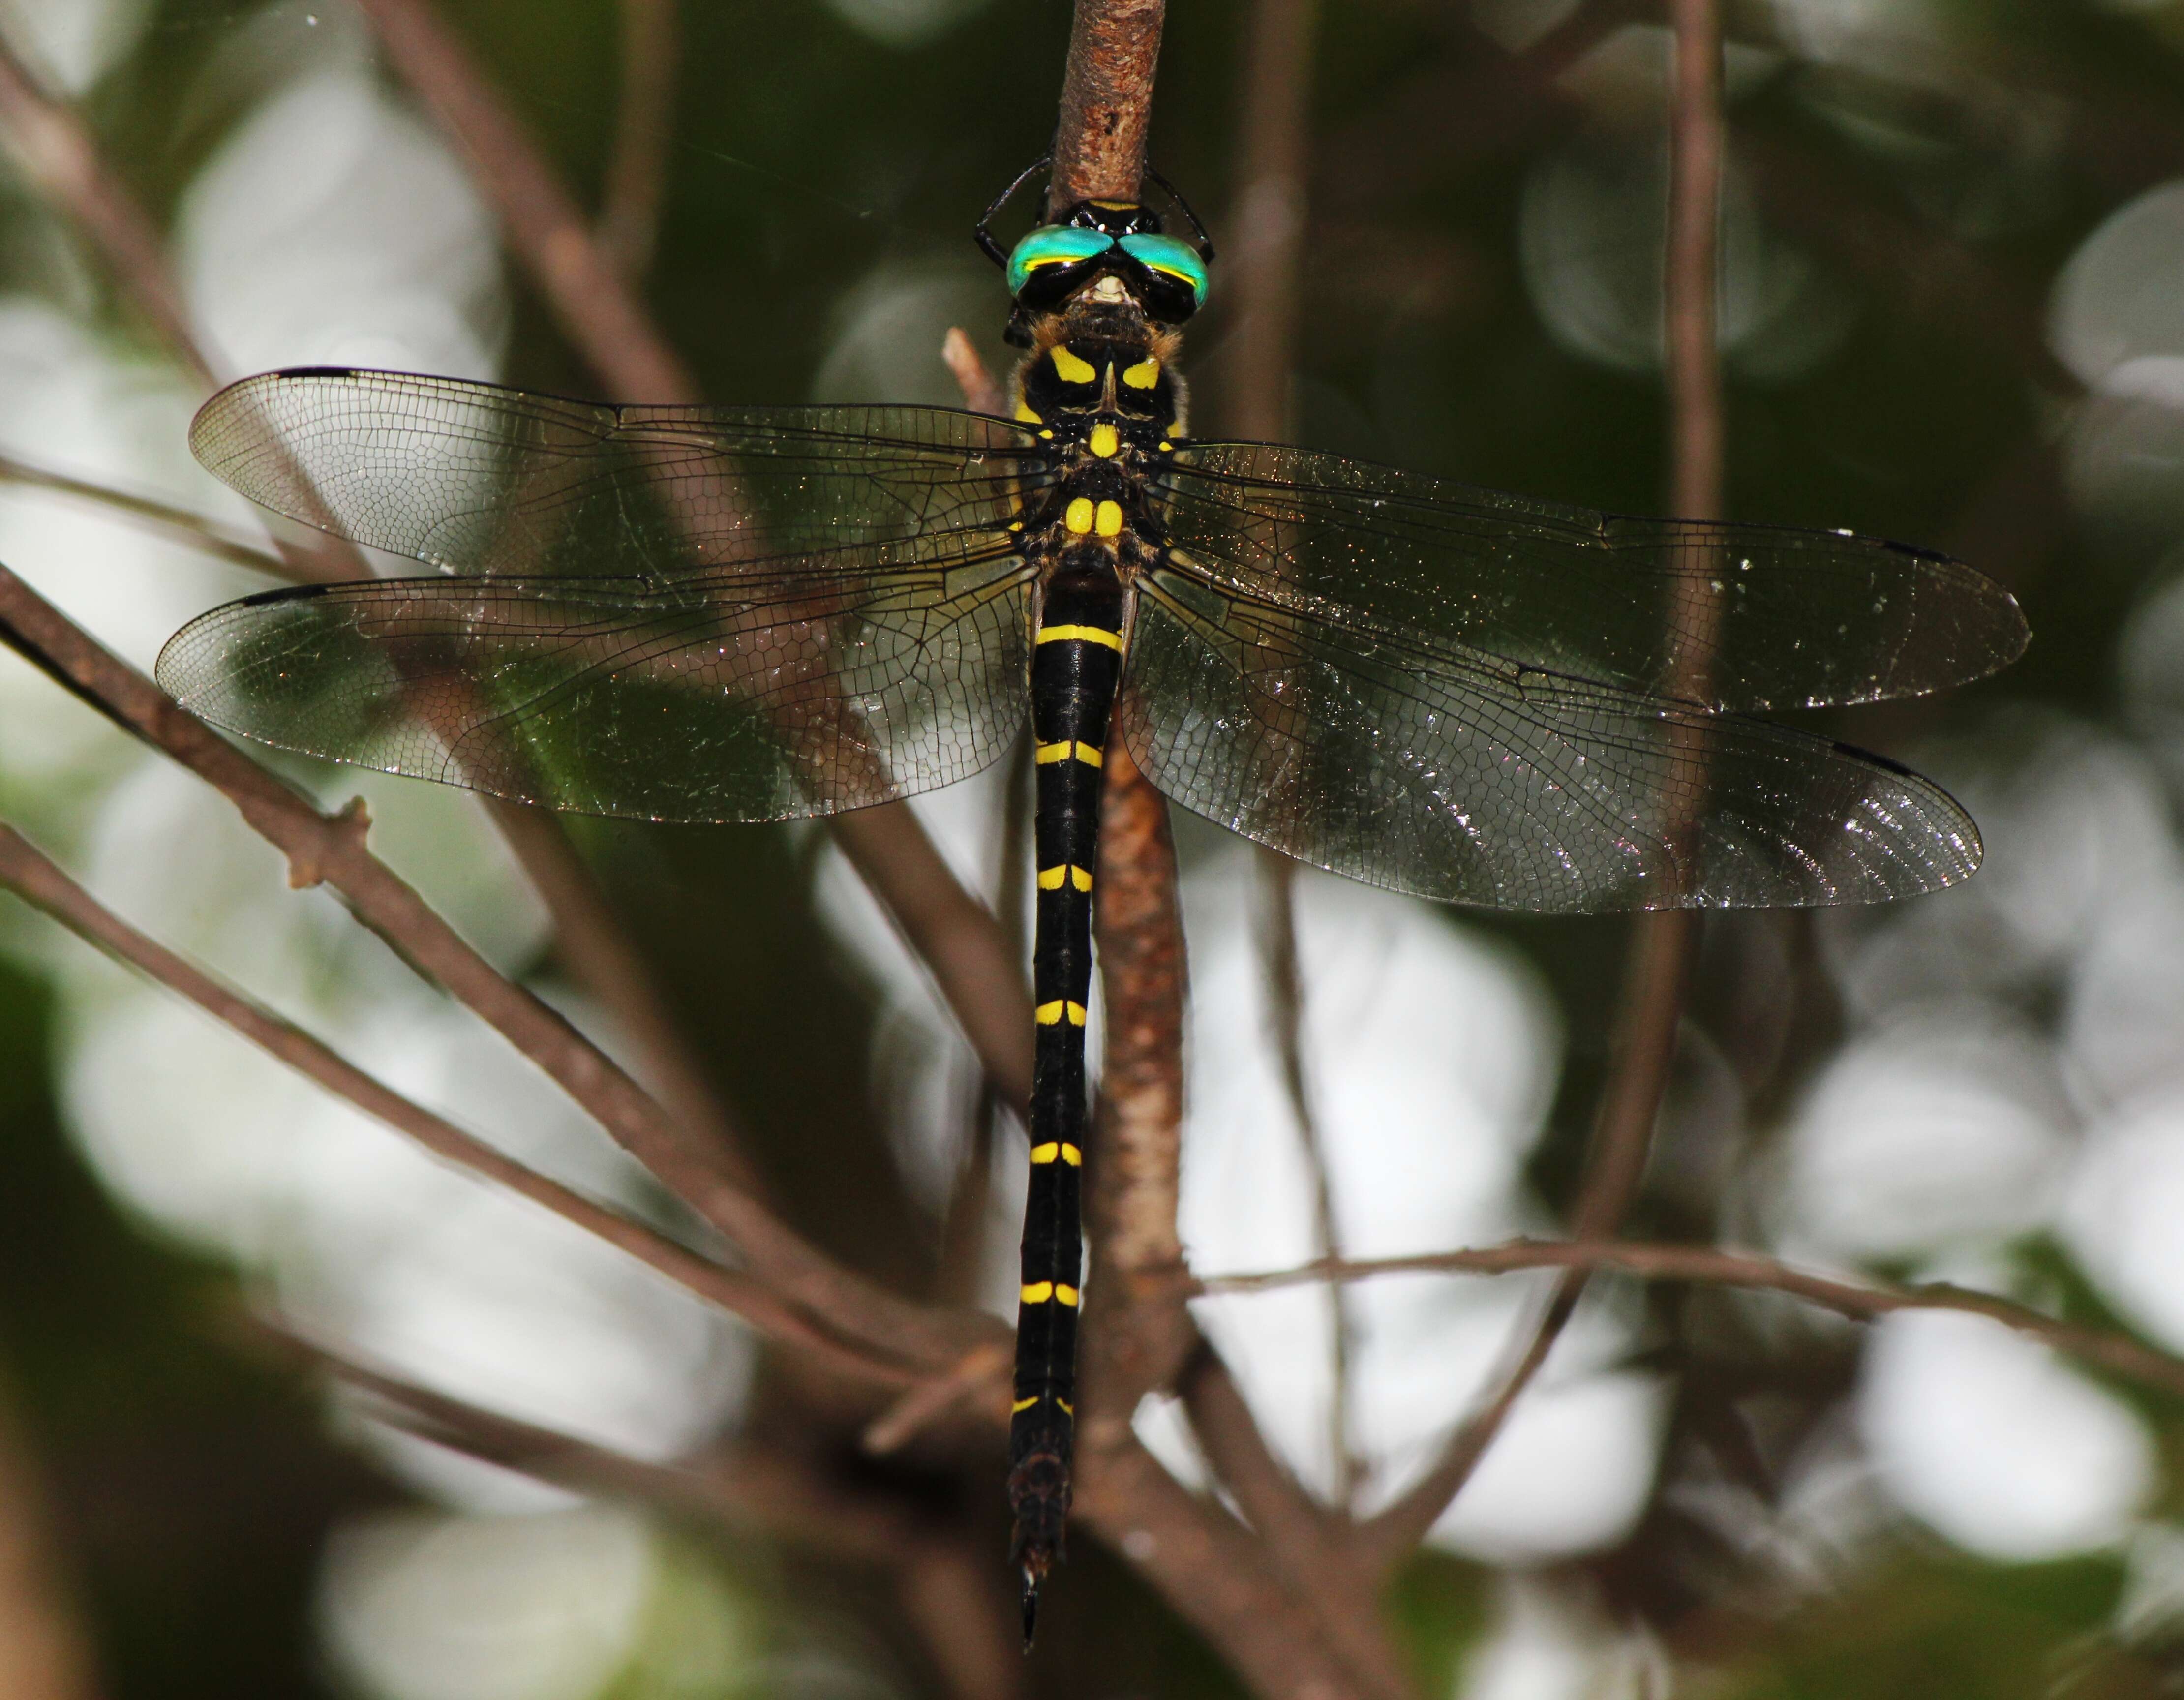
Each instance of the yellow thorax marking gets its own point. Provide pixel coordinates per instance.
(1143, 376)
(1090, 757)
(1109, 521)
(1078, 515)
(1052, 1149)
(1050, 878)
(1024, 412)
(1051, 1015)
(1104, 441)
(1080, 634)
(1070, 369)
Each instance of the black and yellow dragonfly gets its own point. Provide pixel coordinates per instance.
(713, 614)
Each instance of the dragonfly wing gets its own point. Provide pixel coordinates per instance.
(1460, 776)
(474, 478)
(737, 697)
(1741, 618)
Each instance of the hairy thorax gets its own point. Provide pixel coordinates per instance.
(1099, 383)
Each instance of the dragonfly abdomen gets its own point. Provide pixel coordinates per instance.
(1076, 662)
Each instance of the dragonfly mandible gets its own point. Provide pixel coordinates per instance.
(715, 614)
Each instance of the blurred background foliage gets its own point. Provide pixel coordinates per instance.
(1953, 311)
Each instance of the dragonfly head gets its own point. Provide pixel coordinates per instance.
(1113, 250)
(1116, 247)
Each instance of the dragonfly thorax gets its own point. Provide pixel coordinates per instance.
(1101, 376)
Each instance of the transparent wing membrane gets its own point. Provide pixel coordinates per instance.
(474, 478)
(1742, 618)
(747, 698)
(1451, 775)
(718, 614)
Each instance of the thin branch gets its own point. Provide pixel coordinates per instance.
(40, 882)
(45, 1652)
(1136, 1336)
(1650, 1002)
(597, 948)
(637, 173)
(984, 1369)
(184, 524)
(740, 1488)
(1263, 267)
(331, 849)
(592, 943)
(1713, 1266)
(58, 153)
(950, 932)
(1106, 100)
(1137, 1333)
(1311, 1550)
(981, 394)
(1210, 1571)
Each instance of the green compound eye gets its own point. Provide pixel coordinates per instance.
(1053, 245)
(1171, 259)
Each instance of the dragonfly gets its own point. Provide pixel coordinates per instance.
(725, 613)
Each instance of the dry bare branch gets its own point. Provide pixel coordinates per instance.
(1650, 1004)
(59, 155)
(980, 393)
(39, 880)
(1713, 1266)
(330, 848)
(597, 949)
(644, 125)
(950, 930)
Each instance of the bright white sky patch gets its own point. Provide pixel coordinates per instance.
(1996, 1443)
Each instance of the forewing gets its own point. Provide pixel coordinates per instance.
(1465, 778)
(1736, 617)
(474, 478)
(854, 680)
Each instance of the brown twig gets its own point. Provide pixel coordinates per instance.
(1106, 100)
(1713, 1266)
(1137, 1333)
(1214, 1574)
(1263, 268)
(980, 393)
(1262, 263)
(591, 300)
(61, 157)
(45, 1653)
(330, 848)
(597, 948)
(984, 1369)
(637, 173)
(1311, 1550)
(742, 1489)
(1136, 1336)
(209, 537)
(1650, 1002)
(40, 882)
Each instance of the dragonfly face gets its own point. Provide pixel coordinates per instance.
(1119, 239)
(714, 614)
